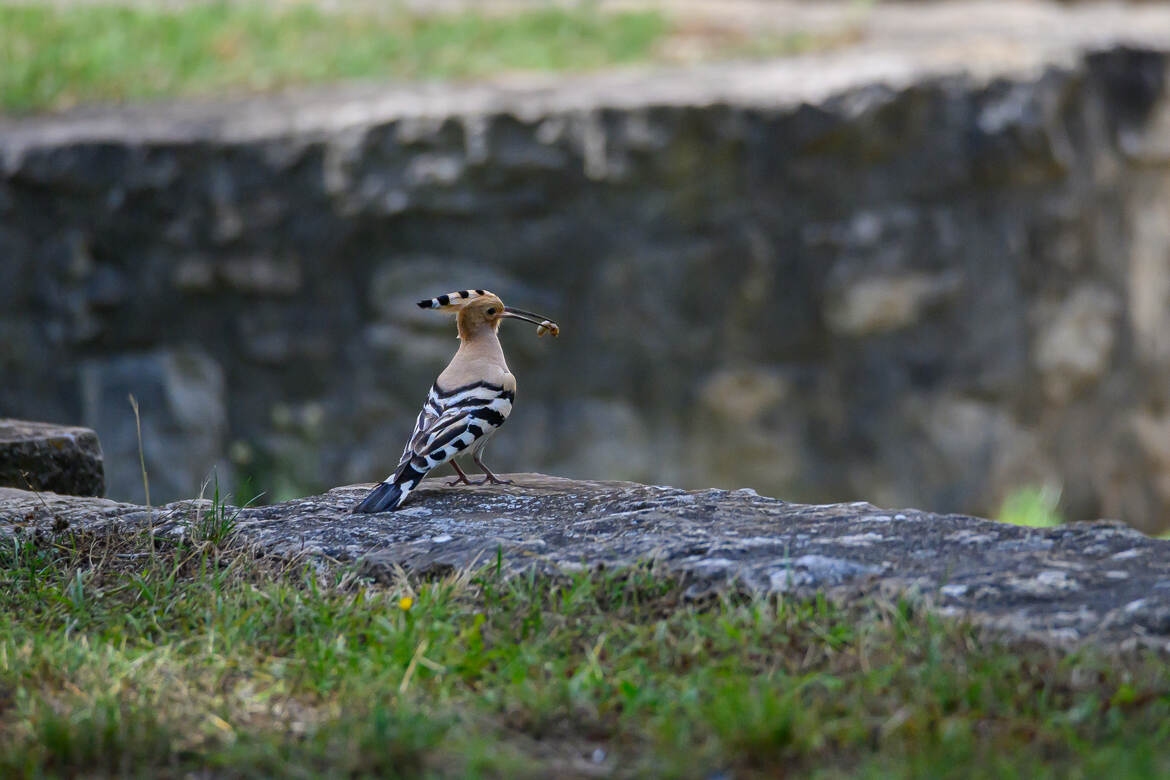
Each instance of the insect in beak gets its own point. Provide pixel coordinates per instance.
(543, 324)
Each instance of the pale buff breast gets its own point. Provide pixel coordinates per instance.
(479, 359)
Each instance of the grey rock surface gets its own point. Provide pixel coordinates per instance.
(1099, 582)
(914, 276)
(57, 458)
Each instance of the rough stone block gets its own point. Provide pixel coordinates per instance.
(1084, 582)
(51, 457)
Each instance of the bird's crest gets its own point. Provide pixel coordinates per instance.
(452, 301)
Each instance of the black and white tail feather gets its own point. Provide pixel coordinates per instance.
(450, 422)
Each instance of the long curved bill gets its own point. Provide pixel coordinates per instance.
(543, 324)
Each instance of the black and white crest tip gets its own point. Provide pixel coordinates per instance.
(451, 299)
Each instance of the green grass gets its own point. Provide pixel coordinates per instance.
(52, 58)
(117, 658)
(1036, 506)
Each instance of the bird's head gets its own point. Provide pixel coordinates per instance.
(476, 309)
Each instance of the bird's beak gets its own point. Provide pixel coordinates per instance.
(535, 319)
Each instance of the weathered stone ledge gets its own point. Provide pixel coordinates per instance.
(1084, 582)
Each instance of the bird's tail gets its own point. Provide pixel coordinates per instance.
(390, 494)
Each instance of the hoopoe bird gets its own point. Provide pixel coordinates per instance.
(468, 403)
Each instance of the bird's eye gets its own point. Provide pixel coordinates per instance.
(491, 311)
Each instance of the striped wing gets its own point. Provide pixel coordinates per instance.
(453, 420)
(450, 422)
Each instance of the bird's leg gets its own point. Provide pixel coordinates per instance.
(488, 475)
(462, 478)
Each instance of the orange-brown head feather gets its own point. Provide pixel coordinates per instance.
(479, 309)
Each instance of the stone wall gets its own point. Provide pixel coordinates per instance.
(925, 290)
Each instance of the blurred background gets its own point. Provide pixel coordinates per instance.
(911, 253)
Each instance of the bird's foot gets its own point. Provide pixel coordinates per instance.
(460, 476)
(493, 479)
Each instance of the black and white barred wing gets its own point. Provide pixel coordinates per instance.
(430, 414)
(449, 423)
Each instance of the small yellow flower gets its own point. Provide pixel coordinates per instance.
(405, 603)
